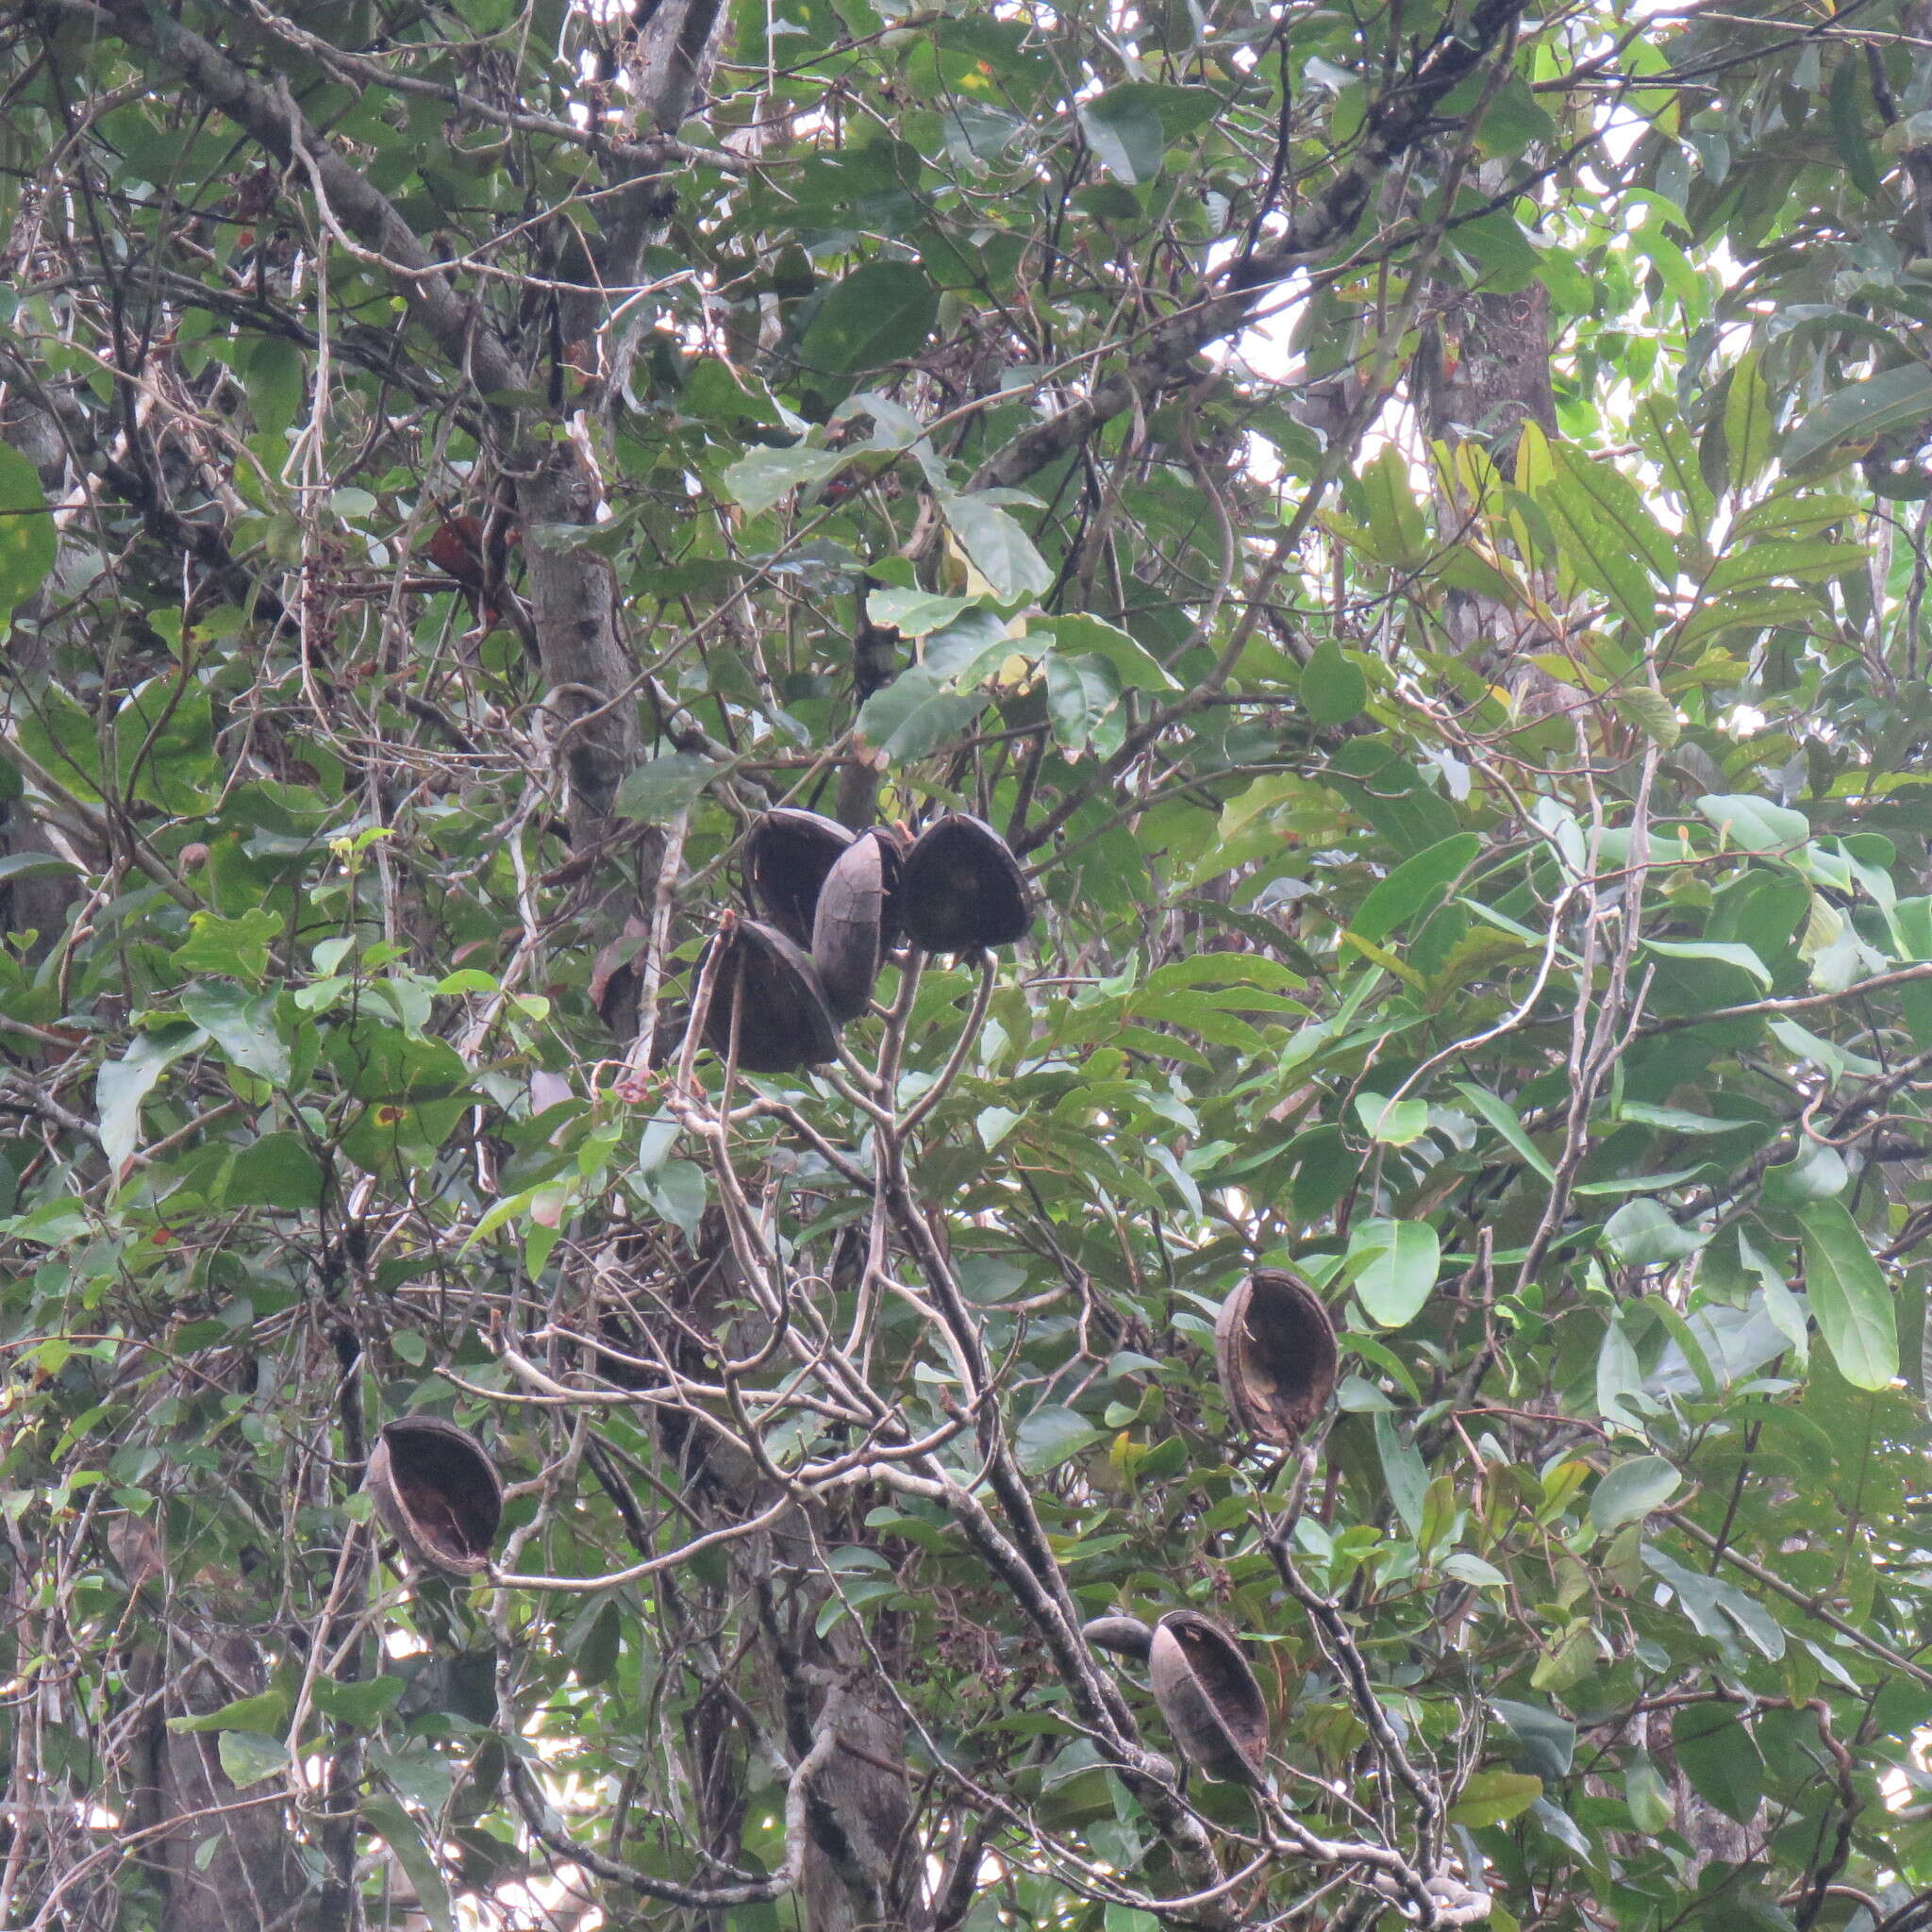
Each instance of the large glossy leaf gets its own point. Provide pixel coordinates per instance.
(1850, 1297)
(880, 313)
(1862, 410)
(1399, 1260)
(997, 547)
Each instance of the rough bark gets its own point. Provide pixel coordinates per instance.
(1481, 372)
(183, 1800)
(1484, 370)
(574, 601)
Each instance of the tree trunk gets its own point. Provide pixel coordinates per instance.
(252, 1879)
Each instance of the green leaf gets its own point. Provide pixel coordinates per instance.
(1607, 533)
(881, 312)
(28, 542)
(1725, 952)
(915, 613)
(237, 948)
(1495, 1798)
(1182, 109)
(1050, 1434)
(398, 1829)
(1399, 1263)
(248, 1756)
(1095, 637)
(1396, 533)
(266, 1711)
(1847, 102)
(278, 382)
(1862, 412)
(1781, 1304)
(761, 478)
(662, 787)
(677, 1189)
(124, 1084)
(1849, 1297)
(1547, 1743)
(277, 1170)
(1647, 1795)
(1720, 1758)
(361, 1704)
(1632, 1489)
(1079, 693)
(1333, 687)
(1755, 823)
(1747, 421)
(1502, 1116)
(1394, 1123)
(1642, 1234)
(1753, 566)
(916, 713)
(1404, 1471)
(997, 547)
(1126, 132)
(1650, 711)
(243, 1028)
(1416, 883)
(1619, 1377)
(1467, 1568)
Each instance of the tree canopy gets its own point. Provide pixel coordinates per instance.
(1341, 1338)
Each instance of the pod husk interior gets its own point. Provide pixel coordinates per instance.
(962, 889)
(783, 1022)
(437, 1492)
(1274, 1354)
(855, 923)
(787, 856)
(1213, 1706)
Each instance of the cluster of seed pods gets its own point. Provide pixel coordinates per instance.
(1274, 1354)
(835, 904)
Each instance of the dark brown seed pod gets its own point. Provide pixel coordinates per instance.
(962, 889)
(1274, 1354)
(782, 1020)
(856, 922)
(1209, 1696)
(1124, 1636)
(787, 856)
(437, 1492)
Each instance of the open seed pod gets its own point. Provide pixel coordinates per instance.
(1124, 1636)
(782, 1021)
(787, 856)
(1274, 1354)
(962, 889)
(1209, 1696)
(856, 922)
(437, 1492)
